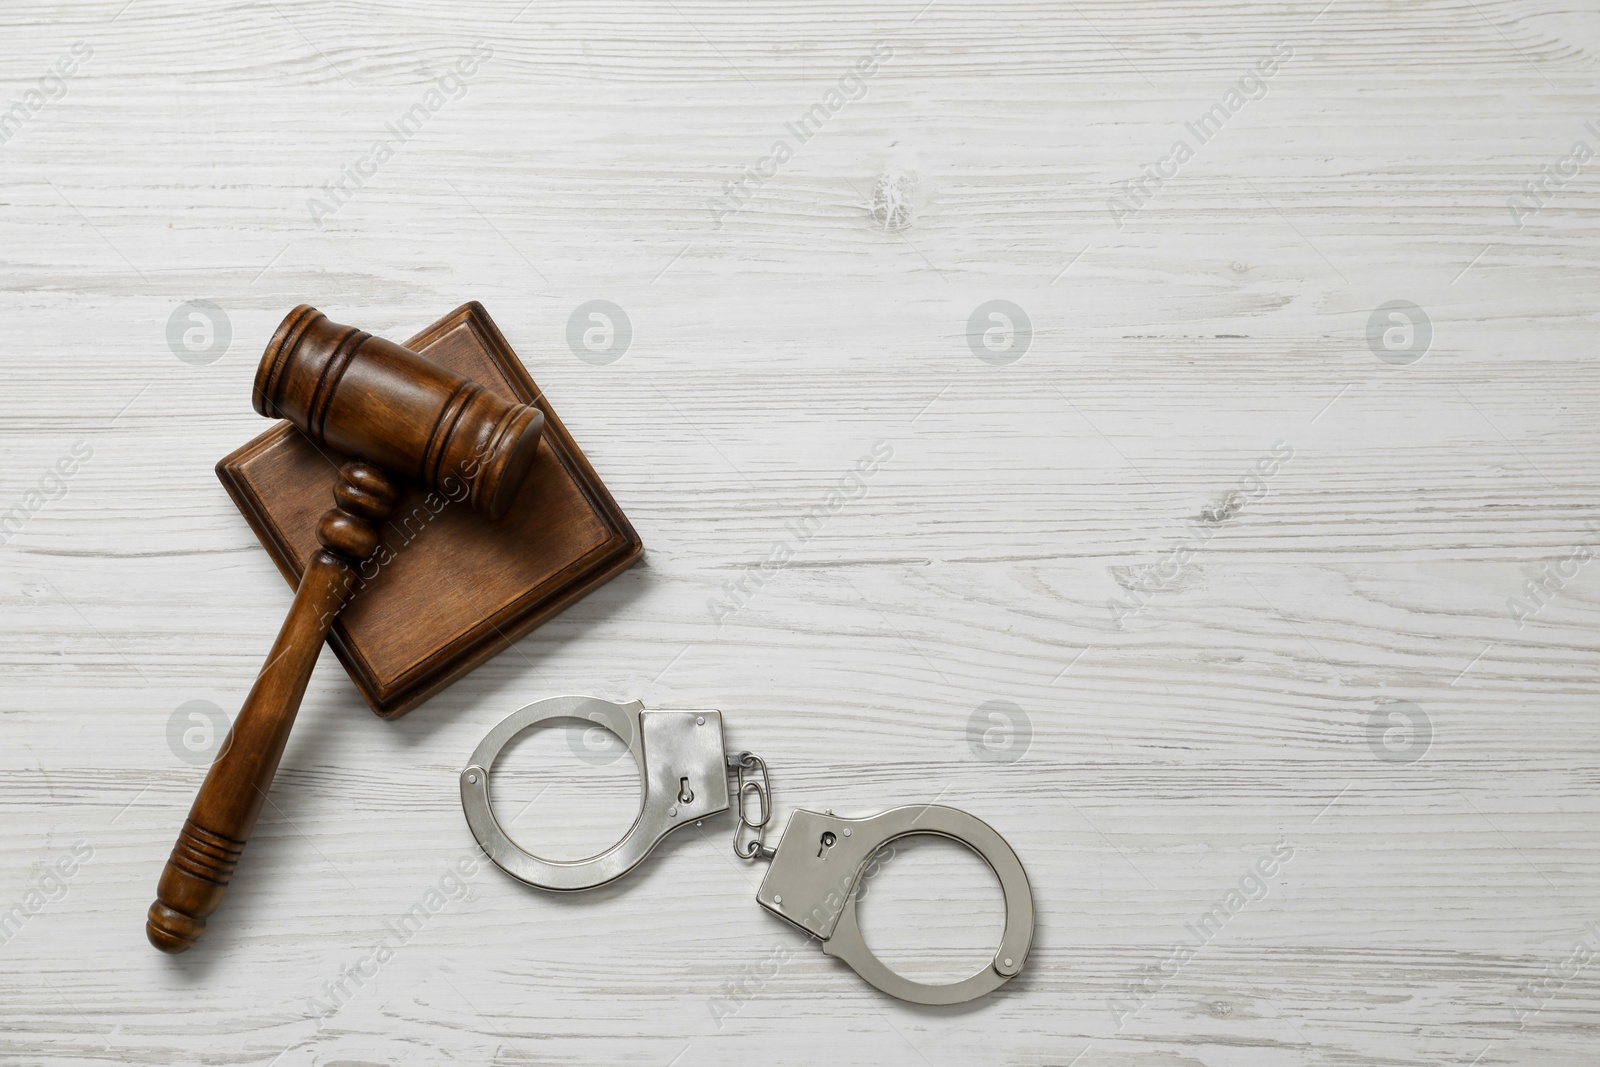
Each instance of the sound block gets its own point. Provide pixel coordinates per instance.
(453, 589)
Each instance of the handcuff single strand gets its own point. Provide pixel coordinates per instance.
(813, 883)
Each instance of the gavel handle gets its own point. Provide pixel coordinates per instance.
(225, 810)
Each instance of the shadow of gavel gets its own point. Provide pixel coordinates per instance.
(401, 416)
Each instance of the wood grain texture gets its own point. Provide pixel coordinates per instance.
(1246, 702)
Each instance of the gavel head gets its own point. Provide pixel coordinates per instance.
(377, 401)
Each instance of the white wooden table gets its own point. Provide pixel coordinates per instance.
(1339, 657)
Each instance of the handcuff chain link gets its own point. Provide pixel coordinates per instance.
(745, 765)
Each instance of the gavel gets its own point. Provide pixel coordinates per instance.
(400, 416)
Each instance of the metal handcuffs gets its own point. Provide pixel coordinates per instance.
(816, 868)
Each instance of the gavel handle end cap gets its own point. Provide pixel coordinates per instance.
(172, 931)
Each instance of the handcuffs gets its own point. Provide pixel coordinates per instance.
(816, 867)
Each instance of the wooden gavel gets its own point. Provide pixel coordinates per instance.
(401, 416)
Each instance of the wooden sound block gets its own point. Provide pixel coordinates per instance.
(448, 589)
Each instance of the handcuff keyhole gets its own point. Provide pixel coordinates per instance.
(827, 841)
(685, 794)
